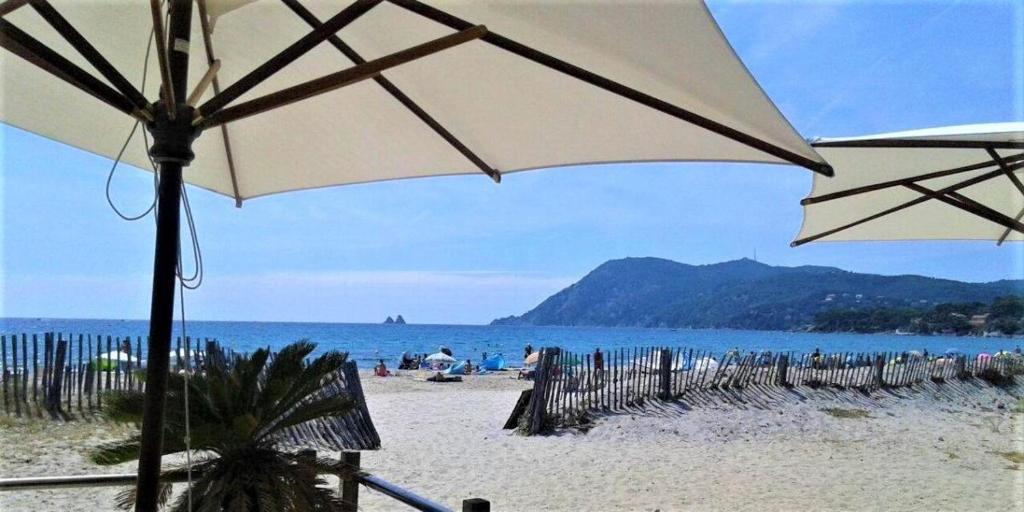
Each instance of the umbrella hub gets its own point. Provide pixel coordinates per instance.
(172, 138)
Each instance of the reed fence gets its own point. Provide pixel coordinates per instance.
(567, 385)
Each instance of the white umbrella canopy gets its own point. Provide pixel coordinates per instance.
(948, 183)
(510, 112)
(440, 357)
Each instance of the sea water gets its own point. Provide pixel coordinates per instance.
(366, 343)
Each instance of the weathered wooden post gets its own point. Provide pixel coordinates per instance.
(879, 368)
(349, 486)
(81, 372)
(541, 378)
(960, 369)
(56, 375)
(665, 374)
(783, 370)
(3, 359)
(24, 370)
(476, 505)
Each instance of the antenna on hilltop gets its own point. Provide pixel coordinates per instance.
(755, 254)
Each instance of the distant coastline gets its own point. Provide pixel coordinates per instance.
(746, 294)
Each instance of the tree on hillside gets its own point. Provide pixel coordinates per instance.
(1008, 307)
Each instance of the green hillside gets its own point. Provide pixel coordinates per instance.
(741, 294)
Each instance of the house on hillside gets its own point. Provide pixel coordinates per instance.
(978, 321)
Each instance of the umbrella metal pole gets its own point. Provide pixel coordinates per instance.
(172, 140)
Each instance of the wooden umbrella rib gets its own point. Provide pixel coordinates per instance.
(161, 55)
(918, 143)
(899, 182)
(204, 22)
(614, 87)
(969, 205)
(91, 54)
(1007, 231)
(10, 6)
(397, 93)
(1016, 182)
(287, 56)
(952, 188)
(337, 80)
(25, 46)
(998, 159)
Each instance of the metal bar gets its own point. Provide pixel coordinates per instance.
(204, 22)
(25, 46)
(337, 80)
(594, 79)
(161, 54)
(91, 54)
(408, 497)
(397, 93)
(66, 482)
(126, 479)
(895, 183)
(918, 143)
(287, 56)
(952, 188)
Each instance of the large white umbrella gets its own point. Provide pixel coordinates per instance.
(491, 86)
(604, 81)
(949, 183)
(114, 357)
(440, 357)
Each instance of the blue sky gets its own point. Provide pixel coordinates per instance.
(463, 250)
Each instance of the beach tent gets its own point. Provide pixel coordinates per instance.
(261, 97)
(948, 183)
(494, 363)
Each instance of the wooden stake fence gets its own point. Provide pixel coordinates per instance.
(568, 384)
(73, 375)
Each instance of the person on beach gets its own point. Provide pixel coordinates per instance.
(815, 358)
(381, 370)
(469, 367)
(527, 351)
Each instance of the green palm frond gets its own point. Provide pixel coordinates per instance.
(236, 409)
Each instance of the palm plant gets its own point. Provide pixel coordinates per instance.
(238, 411)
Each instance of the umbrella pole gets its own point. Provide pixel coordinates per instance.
(161, 317)
(172, 140)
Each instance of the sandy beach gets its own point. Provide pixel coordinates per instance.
(924, 451)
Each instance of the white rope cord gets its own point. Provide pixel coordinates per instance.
(188, 371)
